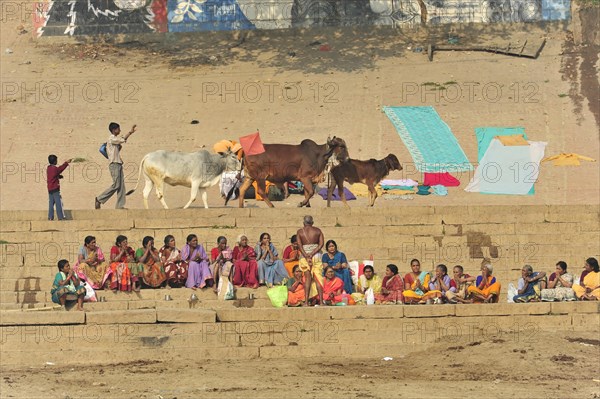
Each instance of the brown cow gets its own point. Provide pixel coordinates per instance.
(368, 172)
(284, 162)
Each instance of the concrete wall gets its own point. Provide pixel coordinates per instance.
(91, 17)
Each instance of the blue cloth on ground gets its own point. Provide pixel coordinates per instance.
(429, 140)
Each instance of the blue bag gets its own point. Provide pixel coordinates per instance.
(103, 150)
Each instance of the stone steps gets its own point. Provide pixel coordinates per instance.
(538, 235)
(57, 337)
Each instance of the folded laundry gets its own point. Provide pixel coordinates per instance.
(423, 190)
(397, 187)
(439, 189)
(398, 182)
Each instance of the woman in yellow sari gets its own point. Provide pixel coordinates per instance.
(486, 288)
(369, 280)
(416, 283)
(91, 265)
(589, 288)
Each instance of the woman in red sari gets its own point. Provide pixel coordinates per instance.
(123, 273)
(391, 287)
(245, 267)
(333, 287)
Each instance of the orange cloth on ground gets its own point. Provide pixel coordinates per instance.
(512, 140)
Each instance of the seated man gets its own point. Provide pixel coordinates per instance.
(530, 285)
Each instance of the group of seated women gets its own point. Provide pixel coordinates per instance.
(248, 266)
(420, 287)
(560, 286)
(417, 287)
(149, 267)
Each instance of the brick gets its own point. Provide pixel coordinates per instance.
(490, 228)
(584, 306)
(28, 318)
(164, 315)
(572, 217)
(122, 317)
(85, 225)
(503, 309)
(428, 310)
(14, 225)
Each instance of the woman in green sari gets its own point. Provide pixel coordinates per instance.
(153, 273)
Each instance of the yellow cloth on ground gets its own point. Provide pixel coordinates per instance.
(570, 159)
(512, 140)
(361, 190)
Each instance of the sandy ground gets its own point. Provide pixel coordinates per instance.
(551, 364)
(59, 96)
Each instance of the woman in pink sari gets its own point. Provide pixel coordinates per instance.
(245, 266)
(391, 287)
(333, 287)
(175, 268)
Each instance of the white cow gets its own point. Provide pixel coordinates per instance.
(198, 170)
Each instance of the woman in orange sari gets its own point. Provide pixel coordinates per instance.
(416, 283)
(333, 287)
(291, 255)
(391, 287)
(486, 288)
(295, 286)
(153, 273)
(124, 270)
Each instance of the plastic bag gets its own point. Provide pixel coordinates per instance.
(225, 290)
(370, 296)
(90, 294)
(278, 295)
(230, 293)
(512, 291)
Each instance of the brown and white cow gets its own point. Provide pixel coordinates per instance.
(281, 163)
(369, 172)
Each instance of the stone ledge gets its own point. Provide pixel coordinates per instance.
(166, 315)
(142, 316)
(41, 317)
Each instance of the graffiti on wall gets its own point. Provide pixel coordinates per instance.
(89, 17)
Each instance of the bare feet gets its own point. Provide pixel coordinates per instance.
(194, 288)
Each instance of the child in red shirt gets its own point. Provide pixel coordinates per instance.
(53, 173)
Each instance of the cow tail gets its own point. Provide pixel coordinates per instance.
(139, 175)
